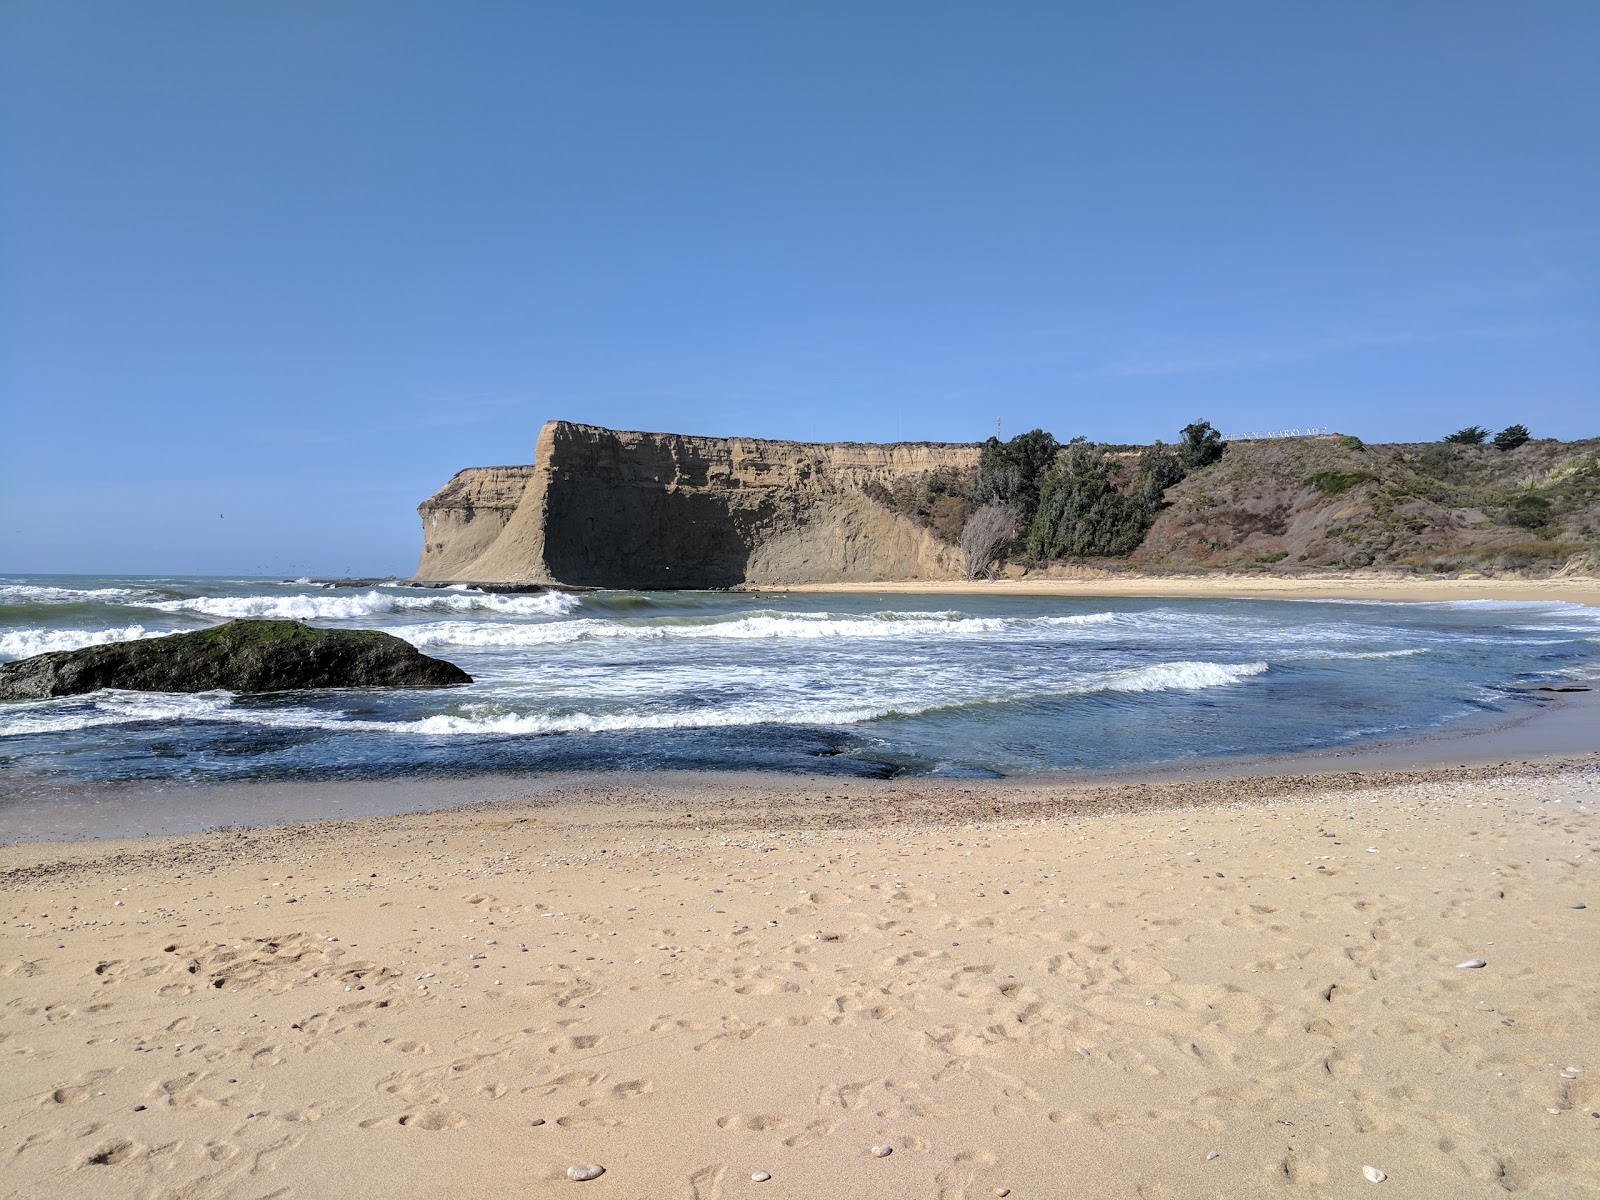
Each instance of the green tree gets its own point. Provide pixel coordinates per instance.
(1010, 471)
(1511, 437)
(1201, 446)
(1159, 469)
(1082, 513)
(1472, 435)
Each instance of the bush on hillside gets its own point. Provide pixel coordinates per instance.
(1159, 469)
(1472, 435)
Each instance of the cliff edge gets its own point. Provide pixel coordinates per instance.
(608, 508)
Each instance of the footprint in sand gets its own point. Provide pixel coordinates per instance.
(433, 1120)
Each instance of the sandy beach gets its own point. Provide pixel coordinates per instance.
(1255, 585)
(1210, 987)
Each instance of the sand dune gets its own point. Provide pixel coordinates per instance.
(1252, 999)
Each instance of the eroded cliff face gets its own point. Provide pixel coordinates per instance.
(607, 508)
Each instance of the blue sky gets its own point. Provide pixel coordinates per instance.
(270, 273)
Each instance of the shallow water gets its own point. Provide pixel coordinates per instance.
(859, 684)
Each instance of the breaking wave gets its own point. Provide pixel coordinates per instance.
(24, 593)
(24, 643)
(752, 627)
(375, 603)
(120, 708)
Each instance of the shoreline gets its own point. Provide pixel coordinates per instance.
(1242, 586)
(1557, 731)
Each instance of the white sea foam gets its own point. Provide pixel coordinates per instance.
(750, 627)
(375, 603)
(23, 643)
(1177, 676)
(120, 708)
(20, 593)
(1375, 654)
(112, 708)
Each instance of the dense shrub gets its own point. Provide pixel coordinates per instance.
(1159, 469)
(1472, 435)
(1528, 511)
(1350, 441)
(1333, 483)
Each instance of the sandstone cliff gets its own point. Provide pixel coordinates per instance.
(607, 508)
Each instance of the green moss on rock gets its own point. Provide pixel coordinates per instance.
(240, 656)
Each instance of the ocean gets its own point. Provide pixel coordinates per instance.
(854, 685)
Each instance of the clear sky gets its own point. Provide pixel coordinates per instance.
(271, 272)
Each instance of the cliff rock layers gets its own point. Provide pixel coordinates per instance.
(606, 508)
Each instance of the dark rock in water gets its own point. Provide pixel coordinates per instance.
(241, 656)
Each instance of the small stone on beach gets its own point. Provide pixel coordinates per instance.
(760, 1177)
(537, 1121)
(1374, 1175)
(1579, 904)
(882, 1150)
(1213, 1154)
(584, 1171)
(1471, 962)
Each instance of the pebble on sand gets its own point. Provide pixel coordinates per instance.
(583, 1171)
(1374, 1175)
(882, 1150)
(1579, 904)
(1471, 962)
(761, 1177)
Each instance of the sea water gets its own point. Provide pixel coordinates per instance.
(860, 684)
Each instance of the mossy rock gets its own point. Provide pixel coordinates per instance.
(241, 656)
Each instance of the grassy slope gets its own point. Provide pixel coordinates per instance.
(1313, 502)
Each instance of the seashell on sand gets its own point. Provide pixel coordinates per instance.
(882, 1150)
(1471, 962)
(1374, 1175)
(760, 1177)
(583, 1171)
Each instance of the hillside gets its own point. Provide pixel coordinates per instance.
(609, 508)
(1317, 502)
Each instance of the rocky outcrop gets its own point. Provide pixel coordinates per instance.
(241, 656)
(606, 508)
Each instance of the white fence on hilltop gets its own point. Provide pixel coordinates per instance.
(1314, 431)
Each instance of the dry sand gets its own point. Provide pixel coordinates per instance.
(1255, 585)
(1203, 988)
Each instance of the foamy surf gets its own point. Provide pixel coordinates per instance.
(835, 683)
(374, 603)
(24, 643)
(759, 626)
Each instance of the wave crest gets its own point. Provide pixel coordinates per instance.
(25, 643)
(374, 603)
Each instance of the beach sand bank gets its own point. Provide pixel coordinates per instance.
(1215, 987)
(1247, 586)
